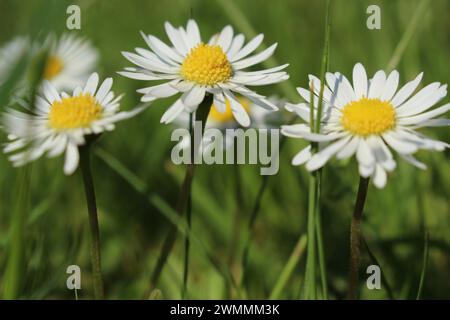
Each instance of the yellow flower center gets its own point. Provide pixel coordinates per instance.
(206, 65)
(227, 116)
(74, 112)
(368, 116)
(53, 67)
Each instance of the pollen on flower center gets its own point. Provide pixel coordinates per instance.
(74, 112)
(223, 117)
(53, 67)
(368, 116)
(206, 65)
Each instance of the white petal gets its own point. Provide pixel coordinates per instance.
(425, 116)
(399, 145)
(193, 32)
(174, 111)
(191, 99)
(104, 89)
(72, 159)
(319, 159)
(257, 58)
(412, 160)
(377, 84)
(163, 90)
(390, 87)
(303, 131)
(237, 109)
(379, 177)
(176, 39)
(248, 48)
(349, 149)
(163, 50)
(91, 84)
(406, 91)
(364, 154)
(423, 100)
(225, 38)
(360, 85)
(345, 87)
(235, 46)
(219, 102)
(303, 156)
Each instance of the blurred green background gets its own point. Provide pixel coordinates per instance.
(133, 229)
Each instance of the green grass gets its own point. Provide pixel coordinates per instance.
(138, 188)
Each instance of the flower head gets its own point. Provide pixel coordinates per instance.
(369, 118)
(195, 68)
(60, 122)
(70, 61)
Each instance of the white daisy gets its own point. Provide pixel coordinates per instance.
(70, 62)
(195, 69)
(59, 122)
(10, 54)
(370, 118)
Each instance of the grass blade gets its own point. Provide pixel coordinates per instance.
(424, 265)
(286, 273)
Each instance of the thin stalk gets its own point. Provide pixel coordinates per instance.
(314, 216)
(200, 115)
(85, 167)
(310, 288)
(189, 207)
(289, 268)
(409, 33)
(320, 246)
(355, 237)
(424, 265)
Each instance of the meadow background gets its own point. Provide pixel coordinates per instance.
(133, 170)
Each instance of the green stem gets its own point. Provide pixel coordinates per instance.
(310, 291)
(286, 273)
(200, 115)
(355, 237)
(85, 167)
(320, 246)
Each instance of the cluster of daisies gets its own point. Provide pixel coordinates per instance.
(368, 118)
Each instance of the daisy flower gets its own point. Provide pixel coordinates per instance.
(70, 62)
(194, 68)
(369, 118)
(60, 122)
(10, 55)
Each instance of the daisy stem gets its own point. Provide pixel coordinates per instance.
(355, 237)
(200, 115)
(85, 167)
